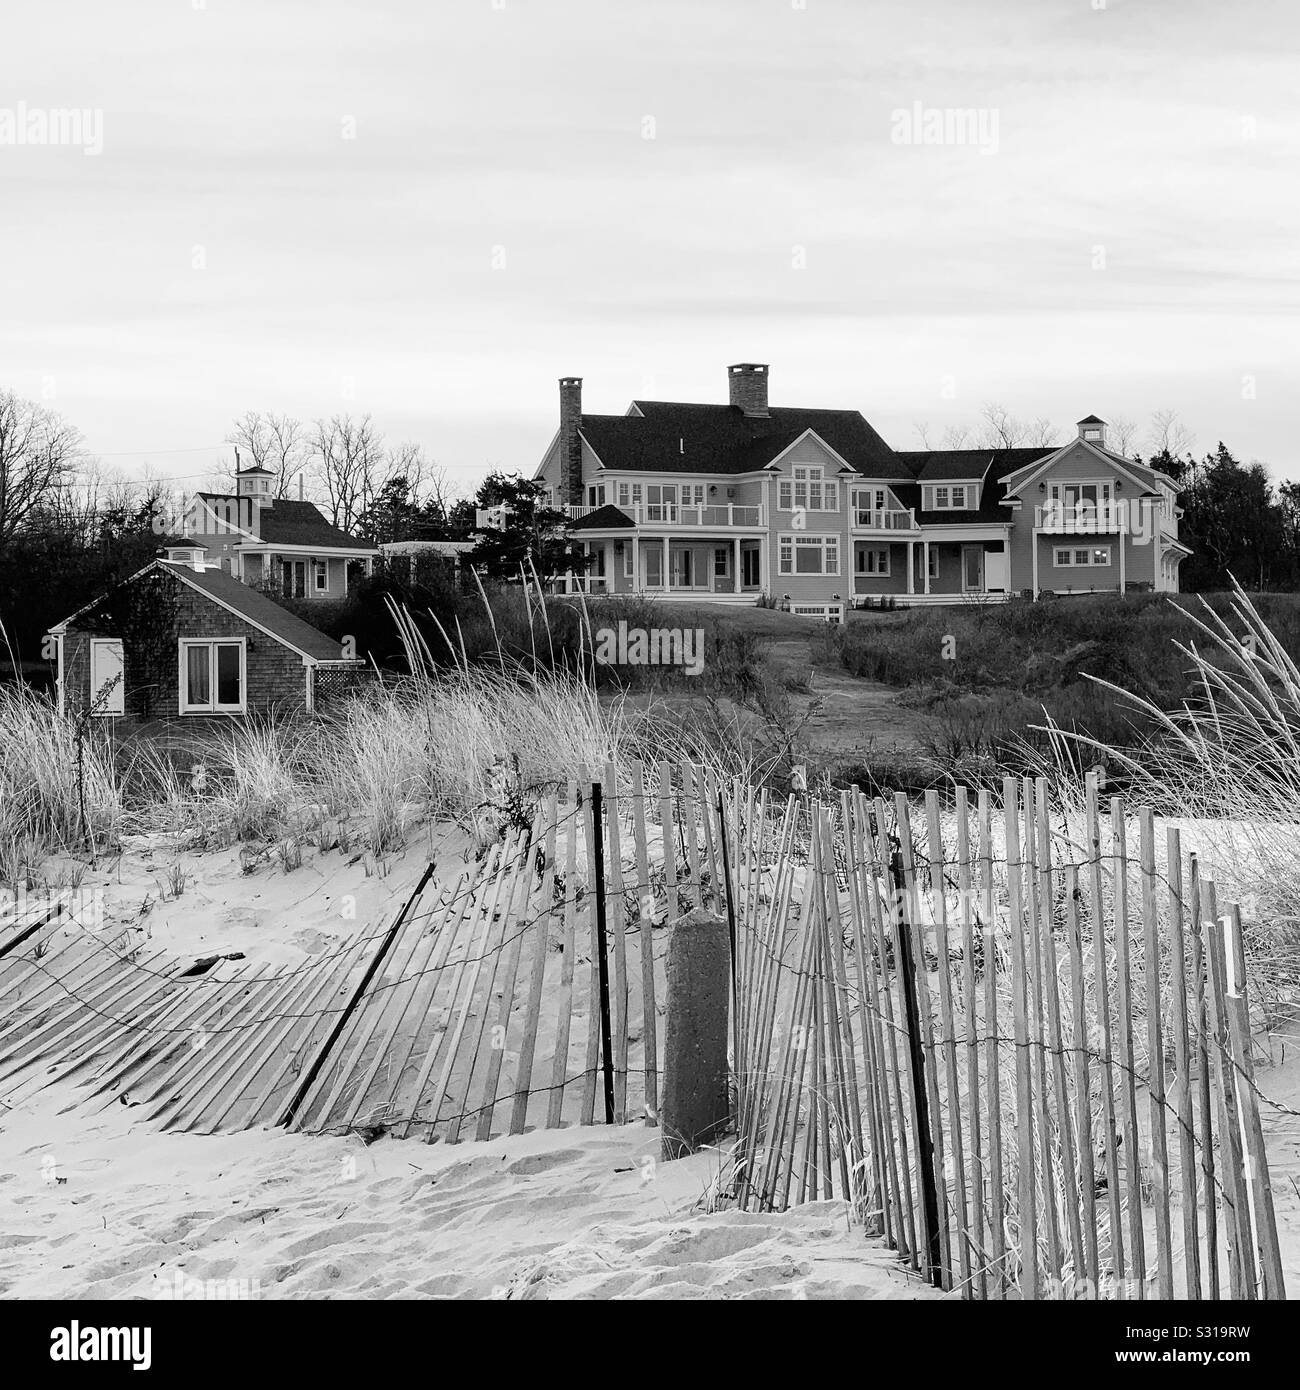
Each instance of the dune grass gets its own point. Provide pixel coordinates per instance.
(448, 740)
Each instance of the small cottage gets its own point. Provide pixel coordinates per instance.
(181, 640)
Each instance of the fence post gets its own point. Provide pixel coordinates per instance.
(694, 1106)
(602, 948)
(924, 1138)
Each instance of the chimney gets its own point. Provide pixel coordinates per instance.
(1092, 430)
(570, 441)
(747, 382)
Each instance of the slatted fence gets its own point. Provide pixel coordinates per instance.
(1014, 1037)
(1016, 1041)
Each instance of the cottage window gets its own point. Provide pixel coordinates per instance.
(213, 676)
(320, 576)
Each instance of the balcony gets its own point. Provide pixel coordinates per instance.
(865, 519)
(1082, 518)
(728, 516)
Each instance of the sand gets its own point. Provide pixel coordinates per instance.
(118, 1211)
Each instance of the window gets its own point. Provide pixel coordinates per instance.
(212, 676)
(294, 578)
(107, 676)
(721, 564)
(950, 497)
(320, 576)
(661, 501)
(807, 489)
(597, 556)
(596, 495)
(693, 495)
(1079, 558)
(873, 561)
(808, 554)
(932, 564)
(629, 494)
(628, 572)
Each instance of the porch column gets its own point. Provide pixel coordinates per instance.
(735, 565)
(925, 559)
(1120, 541)
(668, 582)
(1034, 541)
(911, 567)
(636, 562)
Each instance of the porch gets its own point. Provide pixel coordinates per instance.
(964, 562)
(723, 568)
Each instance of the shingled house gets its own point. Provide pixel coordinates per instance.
(280, 543)
(726, 502)
(182, 640)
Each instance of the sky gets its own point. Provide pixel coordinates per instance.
(432, 211)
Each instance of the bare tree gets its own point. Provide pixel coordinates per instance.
(922, 428)
(1042, 434)
(1169, 435)
(1001, 430)
(428, 482)
(39, 454)
(956, 436)
(350, 464)
(275, 442)
(1122, 435)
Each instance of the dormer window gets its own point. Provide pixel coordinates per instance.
(950, 497)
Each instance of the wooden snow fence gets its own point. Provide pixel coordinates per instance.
(1015, 1038)
(477, 1011)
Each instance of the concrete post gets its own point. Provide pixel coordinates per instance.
(693, 1110)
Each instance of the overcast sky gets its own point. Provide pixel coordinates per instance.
(431, 211)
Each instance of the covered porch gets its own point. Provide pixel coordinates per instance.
(730, 568)
(955, 562)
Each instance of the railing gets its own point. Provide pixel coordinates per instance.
(725, 515)
(1082, 518)
(866, 519)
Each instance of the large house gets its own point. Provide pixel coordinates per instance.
(277, 543)
(813, 508)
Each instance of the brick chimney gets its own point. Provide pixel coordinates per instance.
(570, 442)
(747, 382)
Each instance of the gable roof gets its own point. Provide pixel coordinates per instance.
(290, 522)
(603, 517)
(945, 465)
(263, 613)
(1146, 478)
(679, 437)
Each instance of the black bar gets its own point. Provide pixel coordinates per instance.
(298, 1096)
(924, 1139)
(602, 950)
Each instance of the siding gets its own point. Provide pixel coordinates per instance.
(276, 676)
